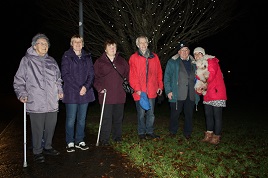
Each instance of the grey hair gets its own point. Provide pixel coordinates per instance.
(138, 40)
(38, 36)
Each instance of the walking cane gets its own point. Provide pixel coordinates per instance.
(24, 140)
(104, 97)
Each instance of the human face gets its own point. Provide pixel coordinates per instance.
(41, 46)
(198, 55)
(111, 50)
(184, 53)
(77, 44)
(143, 44)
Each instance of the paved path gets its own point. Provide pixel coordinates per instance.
(95, 162)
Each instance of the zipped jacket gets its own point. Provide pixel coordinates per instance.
(76, 73)
(137, 75)
(39, 79)
(171, 78)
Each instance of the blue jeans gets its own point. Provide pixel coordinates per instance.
(145, 124)
(75, 114)
(213, 118)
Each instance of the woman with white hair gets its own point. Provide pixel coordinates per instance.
(38, 83)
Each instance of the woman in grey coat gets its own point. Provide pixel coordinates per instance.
(38, 83)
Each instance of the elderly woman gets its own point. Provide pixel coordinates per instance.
(106, 77)
(38, 83)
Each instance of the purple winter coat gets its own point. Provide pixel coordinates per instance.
(107, 78)
(39, 79)
(76, 73)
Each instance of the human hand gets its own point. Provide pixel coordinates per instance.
(103, 91)
(83, 91)
(170, 95)
(23, 99)
(159, 92)
(60, 95)
(199, 90)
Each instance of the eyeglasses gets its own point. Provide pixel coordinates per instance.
(42, 44)
(195, 54)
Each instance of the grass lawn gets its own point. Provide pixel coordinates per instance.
(242, 151)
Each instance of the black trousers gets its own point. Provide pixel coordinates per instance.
(112, 121)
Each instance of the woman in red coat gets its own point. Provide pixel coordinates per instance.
(215, 98)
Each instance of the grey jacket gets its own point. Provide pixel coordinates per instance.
(39, 79)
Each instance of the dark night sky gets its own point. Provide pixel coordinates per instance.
(238, 47)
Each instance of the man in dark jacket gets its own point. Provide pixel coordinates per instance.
(179, 80)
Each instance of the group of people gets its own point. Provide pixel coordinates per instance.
(41, 83)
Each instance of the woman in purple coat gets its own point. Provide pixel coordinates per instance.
(38, 83)
(78, 75)
(106, 77)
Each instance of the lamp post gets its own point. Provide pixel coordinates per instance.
(81, 18)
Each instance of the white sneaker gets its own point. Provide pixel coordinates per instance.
(70, 147)
(82, 146)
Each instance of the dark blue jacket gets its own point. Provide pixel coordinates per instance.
(76, 73)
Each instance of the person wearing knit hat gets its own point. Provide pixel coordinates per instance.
(179, 81)
(215, 98)
(199, 50)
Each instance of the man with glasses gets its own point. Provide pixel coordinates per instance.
(179, 80)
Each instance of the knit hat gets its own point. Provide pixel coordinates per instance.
(182, 45)
(199, 50)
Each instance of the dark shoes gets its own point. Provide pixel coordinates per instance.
(152, 136)
(105, 143)
(142, 137)
(148, 136)
(51, 151)
(39, 158)
(118, 140)
(188, 137)
(172, 135)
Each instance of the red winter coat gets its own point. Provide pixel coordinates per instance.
(137, 75)
(216, 89)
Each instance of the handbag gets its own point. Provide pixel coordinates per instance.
(125, 84)
(127, 87)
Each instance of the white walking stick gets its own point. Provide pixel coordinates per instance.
(103, 103)
(24, 139)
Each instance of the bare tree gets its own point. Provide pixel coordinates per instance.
(164, 22)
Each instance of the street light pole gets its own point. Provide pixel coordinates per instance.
(81, 18)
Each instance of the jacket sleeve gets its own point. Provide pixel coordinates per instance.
(19, 82)
(66, 74)
(168, 78)
(212, 68)
(160, 75)
(58, 80)
(97, 81)
(133, 77)
(90, 77)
